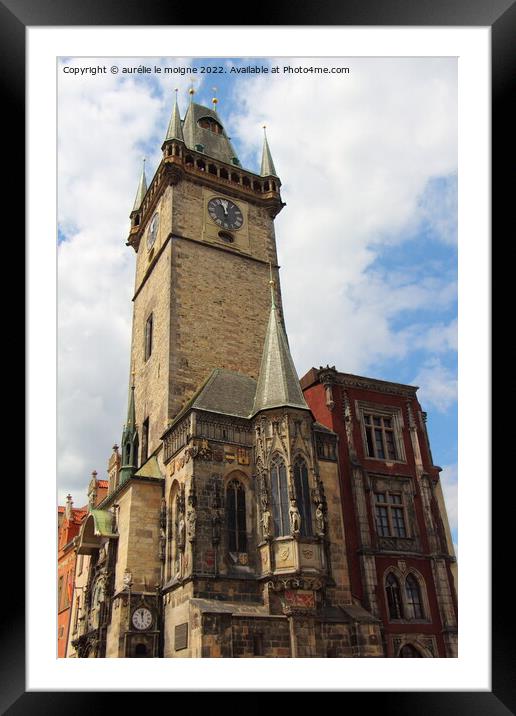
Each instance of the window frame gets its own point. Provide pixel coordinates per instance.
(239, 517)
(406, 608)
(280, 509)
(389, 412)
(389, 506)
(301, 485)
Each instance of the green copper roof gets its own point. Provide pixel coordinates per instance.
(267, 168)
(278, 384)
(175, 130)
(103, 522)
(217, 146)
(142, 189)
(149, 469)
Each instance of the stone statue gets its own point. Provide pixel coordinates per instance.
(215, 526)
(295, 518)
(266, 523)
(191, 520)
(181, 531)
(319, 520)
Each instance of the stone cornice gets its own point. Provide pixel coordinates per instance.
(348, 380)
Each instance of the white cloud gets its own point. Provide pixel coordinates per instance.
(438, 385)
(355, 153)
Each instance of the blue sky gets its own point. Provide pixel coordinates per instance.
(367, 243)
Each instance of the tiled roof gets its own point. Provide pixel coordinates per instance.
(227, 392)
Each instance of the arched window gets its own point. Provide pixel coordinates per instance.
(409, 652)
(394, 603)
(413, 597)
(303, 496)
(235, 509)
(280, 504)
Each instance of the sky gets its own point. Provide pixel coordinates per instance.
(367, 241)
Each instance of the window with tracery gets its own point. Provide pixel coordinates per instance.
(394, 602)
(279, 493)
(236, 517)
(303, 496)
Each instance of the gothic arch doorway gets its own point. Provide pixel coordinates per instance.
(140, 651)
(408, 651)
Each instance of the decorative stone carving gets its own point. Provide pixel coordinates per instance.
(266, 524)
(215, 527)
(191, 517)
(295, 518)
(181, 524)
(327, 378)
(319, 521)
(191, 522)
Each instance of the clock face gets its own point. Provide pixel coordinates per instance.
(153, 231)
(225, 214)
(142, 618)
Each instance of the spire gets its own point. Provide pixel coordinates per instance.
(267, 169)
(142, 189)
(175, 130)
(129, 439)
(278, 384)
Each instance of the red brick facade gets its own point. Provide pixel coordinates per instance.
(408, 539)
(69, 521)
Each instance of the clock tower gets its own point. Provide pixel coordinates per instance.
(222, 533)
(203, 233)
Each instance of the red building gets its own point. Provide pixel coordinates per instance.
(399, 547)
(69, 521)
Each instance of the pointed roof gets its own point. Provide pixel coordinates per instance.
(216, 145)
(142, 189)
(267, 168)
(278, 383)
(175, 130)
(130, 423)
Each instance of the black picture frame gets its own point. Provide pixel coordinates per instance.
(500, 16)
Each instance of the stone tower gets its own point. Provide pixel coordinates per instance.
(203, 232)
(225, 538)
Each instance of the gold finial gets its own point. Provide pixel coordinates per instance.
(191, 92)
(214, 101)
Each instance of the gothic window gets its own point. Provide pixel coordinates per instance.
(413, 597)
(236, 517)
(145, 440)
(280, 503)
(148, 337)
(303, 496)
(390, 514)
(394, 602)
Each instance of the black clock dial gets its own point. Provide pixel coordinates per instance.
(225, 214)
(153, 231)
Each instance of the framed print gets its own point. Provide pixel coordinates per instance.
(102, 135)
